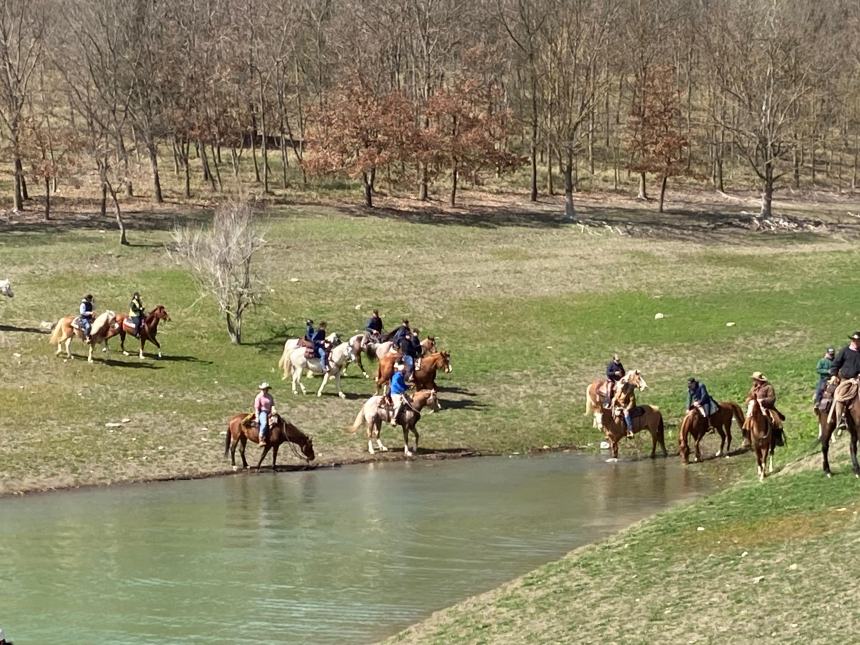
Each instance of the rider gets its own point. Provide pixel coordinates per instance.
(407, 350)
(320, 344)
(136, 312)
(762, 394)
(823, 371)
(417, 350)
(86, 315)
(400, 332)
(614, 373)
(373, 328)
(699, 399)
(847, 363)
(397, 390)
(309, 330)
(263, 405)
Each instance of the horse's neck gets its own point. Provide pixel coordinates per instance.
(420, 400)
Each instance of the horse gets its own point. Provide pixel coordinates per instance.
(849, 409)
(695, 425)
(425, 376)
(280, 430)
(595, 393)
(297, 362)
(763, 440)
(64, 331)
(293, 344)
(374, 412)
(644, 417)
(148, 329)
(6, 289)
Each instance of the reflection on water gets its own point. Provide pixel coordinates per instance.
(351, 554)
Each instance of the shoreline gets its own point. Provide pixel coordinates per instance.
(391, 456)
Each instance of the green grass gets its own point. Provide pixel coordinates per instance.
(530, 315)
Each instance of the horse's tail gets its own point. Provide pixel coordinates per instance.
(359, 420)
(281, 362)
(737, 412)
(57, 333)
(661, 428)
(589, 406)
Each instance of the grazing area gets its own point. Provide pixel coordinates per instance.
(530, 310)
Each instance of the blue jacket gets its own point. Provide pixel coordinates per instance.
(406, 347)
(614, 366)
(374, 324)
(318, 336)
(399, 334)
(86, 309)
(398, 383)
(309, 332)
(698, 394)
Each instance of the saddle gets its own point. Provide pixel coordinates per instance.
(76, 323)
(310, 352)
(637, 411)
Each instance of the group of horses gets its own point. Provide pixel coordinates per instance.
(104, 327)
(761, 436)
(299, 357)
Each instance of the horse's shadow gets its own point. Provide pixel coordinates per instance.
(127, 364)
(462, 404)
(178, 358)
(24, 330)
(714, 457)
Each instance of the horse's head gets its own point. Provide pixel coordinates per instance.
(6, 289)
(308, 449)
(433, 401)
(445, 362)
(160, 313)
(633, 379)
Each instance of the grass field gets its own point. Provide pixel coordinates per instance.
(529, 308)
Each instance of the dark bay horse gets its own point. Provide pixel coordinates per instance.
(148, 329)
(645, 417)
(850, 411)
(239, 431)
(696, 426)
(763, 440)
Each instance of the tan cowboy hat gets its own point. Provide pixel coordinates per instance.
(264, 386)
(758, 376)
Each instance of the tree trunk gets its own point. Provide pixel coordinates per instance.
(217, 167)
(47, 198)
(265, 141)
(549, 187)
(534, 187)
(156, 179)
(423, 193)
(662, 193)
(643, 193)
(19, 171)
(569, 208)
(455, 174)
(123, 240)
(767, 191)
(204, 161)
(18, 196)
(367, 179)
(234, 328)
(254, 147)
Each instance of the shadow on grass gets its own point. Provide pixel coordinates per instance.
(138, 364)
(23, 330)
(462, 404)
(178, 358)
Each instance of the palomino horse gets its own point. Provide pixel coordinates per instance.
(338, 359)
(849, 410)
(375, 411)
(239, 430)
(595, 393)
(64, 331)
(148, 329)
(6, 289)
(644, 417)
(763, 440)
(295, 343)
(696, 426)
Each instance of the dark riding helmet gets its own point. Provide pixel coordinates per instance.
(309, 322)
(692, 382)
(135, 295)
(89, 296)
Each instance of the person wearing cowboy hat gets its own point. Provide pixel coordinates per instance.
(762, 394)
(614, 372)
(86, 314)
(397, 390)
(847, 363)
(822, 368)
(263, 405)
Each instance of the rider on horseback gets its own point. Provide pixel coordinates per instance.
(699, 399)
(763, 395)
(407, 351)
(822, 368)
(401, 332)
(263, 405)
(86, 315)
(373, 328)
(614, 373)
(397, 390)
(847, 363)
(309, 330)
(136, 312)
(320, 343)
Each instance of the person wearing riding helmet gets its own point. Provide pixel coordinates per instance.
(400, 332)
(698, 399)
(136, 312)
(309, 330)
(86, 315)
(263, 404)
(374, 327)
(321, 345)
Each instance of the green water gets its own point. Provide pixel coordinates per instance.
(345, 555)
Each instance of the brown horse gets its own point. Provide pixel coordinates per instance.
(644, 417)
(762, 439)
(64, 331)
(850, 411)
(695, 425)
(385, 370)
(148, 329)
(376, 410)
(240, 430)
(596, 392)
(425, 376)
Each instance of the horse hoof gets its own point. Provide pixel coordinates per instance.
(104, 350)
(828, 475)
(125, 353)
(383, 449)
(159, 354)
(612, 460)
(341, 395)
(235, 468)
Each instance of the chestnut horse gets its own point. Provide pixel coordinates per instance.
(64, 331)
(148, 329)
(595, 393)
(240, 430)
(645, 417)
(375, 411)
(424, 377)
(696, 426)
(763, 441)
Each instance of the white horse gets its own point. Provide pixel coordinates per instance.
(65, 330)
(373, 413)
(338, 359)
(6, 289)
(293, 343)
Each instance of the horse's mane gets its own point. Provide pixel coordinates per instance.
(102, 320)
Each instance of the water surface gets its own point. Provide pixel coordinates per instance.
(346, 555)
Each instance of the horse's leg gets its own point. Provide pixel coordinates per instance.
(234, 441)
(728, 430)
(415, 432)
(698, 447)
(68, 350)
(722, 434)
(275, 457)
(324, 382)
(89, 352)
(155, 342)
(379, 443)
(653, 442)
(122, 340)
(263, 456)
(242, 443)
(142, 344)
(360, 364)
(852, 429)
(406, 450)
(824, 432)
(337, 384)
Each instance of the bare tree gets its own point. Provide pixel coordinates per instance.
(221, 259)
